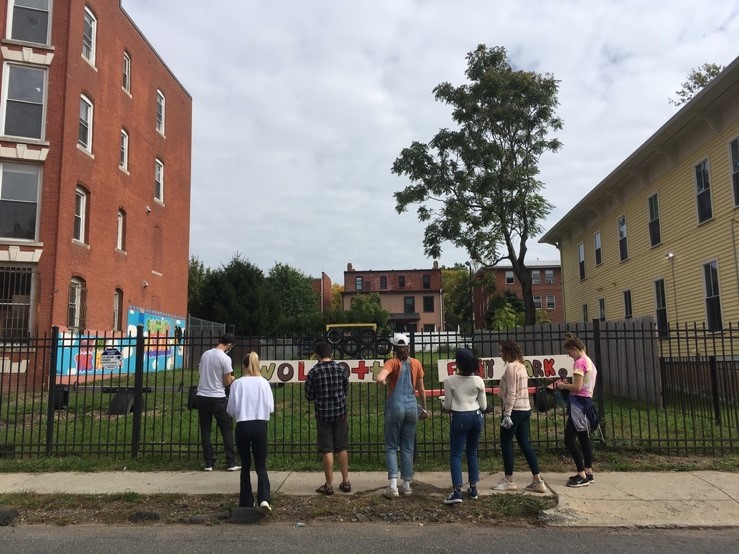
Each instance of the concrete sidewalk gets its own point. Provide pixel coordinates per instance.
(663, 499)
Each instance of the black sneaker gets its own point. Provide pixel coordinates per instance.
(472, 491)
(577, 481)
(590, 478)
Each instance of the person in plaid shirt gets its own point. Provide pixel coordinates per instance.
(326, 386)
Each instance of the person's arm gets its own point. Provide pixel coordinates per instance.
(228, 378)
(310, 393)
(231, 405)
(509, 377)
(447, 404)
(482, 398)
(421, 388)
(575, 386)
(270, 397)
(382, 376)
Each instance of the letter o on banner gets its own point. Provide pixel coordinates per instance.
(285, 372)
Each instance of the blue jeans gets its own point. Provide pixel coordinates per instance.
(400, 434)
(520, 430)
(464, 434)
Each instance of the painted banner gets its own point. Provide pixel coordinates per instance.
(557, 366)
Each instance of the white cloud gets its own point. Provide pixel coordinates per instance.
(300, 108)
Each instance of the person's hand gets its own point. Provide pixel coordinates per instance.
(424, 415)
(507, 422)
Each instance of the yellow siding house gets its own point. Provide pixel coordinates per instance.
(659, 235)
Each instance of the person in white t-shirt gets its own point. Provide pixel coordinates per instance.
(250, 403)
(216, 373)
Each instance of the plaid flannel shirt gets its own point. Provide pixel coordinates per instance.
(326, 385)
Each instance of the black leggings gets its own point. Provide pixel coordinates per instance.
(572, 437)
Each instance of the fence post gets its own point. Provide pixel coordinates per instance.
(599, 366)
(714, 389)
(138, 387)
(52, 389)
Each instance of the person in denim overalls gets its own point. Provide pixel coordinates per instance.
(403, 376)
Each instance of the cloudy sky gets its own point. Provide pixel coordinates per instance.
(300, 108)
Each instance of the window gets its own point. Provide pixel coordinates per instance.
(627, 305)
(735, 169)
(126, 84)
(401, 281)
(358, 283)
(24, 101)
(19, 194)
(428, 304)
(537, 302)
(30, 21)
(661, 302)
(16, 294)
(409, 305)
(713, 299)
(383, 281)
(703, 192)
(623, 250)
(159, 181)
(118, 310)
(602, 309)
(550, 302)
(581, 259)
(80, 215)
(585, 312)
(535, 277)
(160, 111)
(77, 305)
(84, 139)
(120, 243)
(654, 232)
(509, 277)
(598, 252)
(429, 328)
(88, 36)
(549, 276)
(123, 162)
(426, 281)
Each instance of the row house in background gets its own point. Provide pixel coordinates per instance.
(412, 296)
(95, 146)
(546, 286)
(659, 236)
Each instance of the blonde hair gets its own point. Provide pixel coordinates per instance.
(571, 341)
(251, 364)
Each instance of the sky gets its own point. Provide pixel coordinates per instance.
(300, 108)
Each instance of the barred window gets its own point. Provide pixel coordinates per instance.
(16, 299)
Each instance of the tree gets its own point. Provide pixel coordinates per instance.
(695, 82)
(476, 186)
(298, 301)
(197, 274)
(455, 282)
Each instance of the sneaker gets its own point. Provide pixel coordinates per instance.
(233, 468)
(590, 478)
(208, 468)
(454, 498)
(405, 491)
(536, 486)
(505, 485)
(472, 491)
(390, 493)
(265, 507)
(577, 481)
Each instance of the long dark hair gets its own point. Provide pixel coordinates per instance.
(511, 351)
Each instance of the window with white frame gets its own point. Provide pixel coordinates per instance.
(654, 230)
(660, 299)
(602, 309)
(509, 277)
(623, 248)
(598, 251)
(581, 260)
(628, 312)
(713, 298)
(80, 215)
(126, 84)
(24, 101)
(117, 310)
(89, 36)
(734, 147)
(123, 162)
(550, 302)
(17, 292)
(160, 111)
(703, 191)
(77, 307)
(30, 21)
(549, 276)
(84, 137)
(537, 302)
(159, 180)
(535, 277)
(20, 187)
(120, 242)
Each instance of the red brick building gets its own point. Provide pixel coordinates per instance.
(546, 287)
(412, 296)
(95, 147)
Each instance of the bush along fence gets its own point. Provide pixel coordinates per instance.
(110, 395)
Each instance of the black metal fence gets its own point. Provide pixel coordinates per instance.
(115, 396)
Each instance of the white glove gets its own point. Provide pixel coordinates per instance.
(507, 422)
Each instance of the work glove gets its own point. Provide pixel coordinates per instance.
(507, 422)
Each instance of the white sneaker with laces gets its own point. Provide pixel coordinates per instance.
(390, 493)
(505, 485)
(536, 486)
(405, 491)
(265, 507)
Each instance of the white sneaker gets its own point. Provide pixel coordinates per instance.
(265, 507)
(405, 491)
(505, 485)
(536, 486)
(390, 493)
(234, 468)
